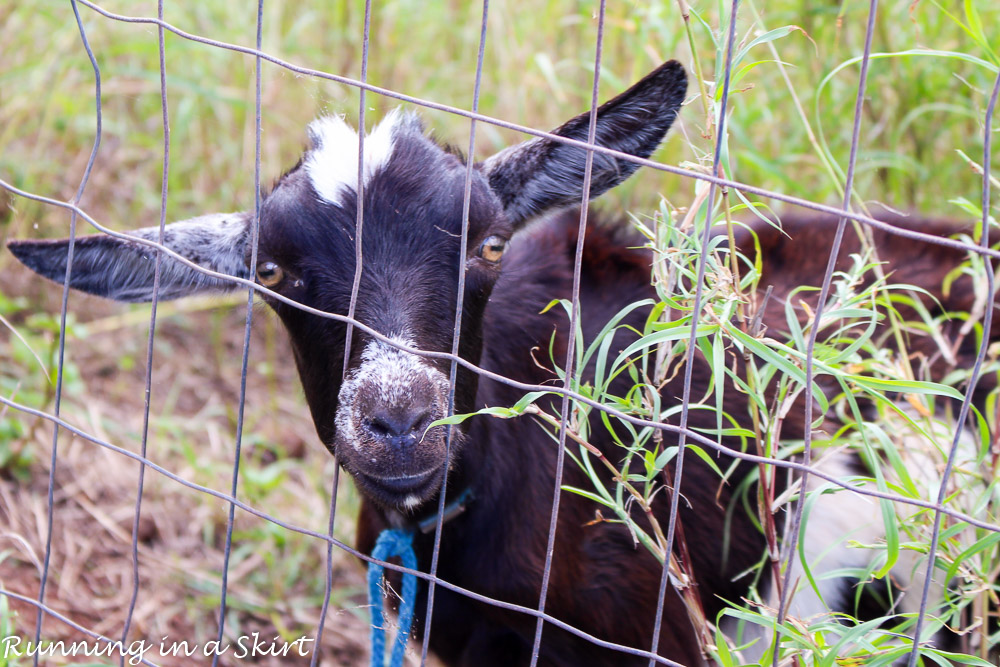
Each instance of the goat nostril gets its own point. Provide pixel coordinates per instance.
(421, 422)
(397, 424)
(380, 427)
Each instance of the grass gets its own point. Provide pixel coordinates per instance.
(923, 115)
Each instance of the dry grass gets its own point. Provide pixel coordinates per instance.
(276, 578)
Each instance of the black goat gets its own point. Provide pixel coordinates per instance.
(375, 420)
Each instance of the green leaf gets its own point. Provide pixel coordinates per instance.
(675, 333)
(779, 356)
(589, 496)
(768, 36)
(706, 457)
(501, 412)
(906, 386)
(665, 457)
(612, 324)
(982, 545)
(527, 400)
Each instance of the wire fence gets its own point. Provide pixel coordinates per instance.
(683, 434)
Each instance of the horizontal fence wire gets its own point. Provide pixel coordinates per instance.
(683, 433)
(527, 387)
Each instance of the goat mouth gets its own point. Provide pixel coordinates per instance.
(405, 492)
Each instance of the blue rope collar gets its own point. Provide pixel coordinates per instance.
(393, 542)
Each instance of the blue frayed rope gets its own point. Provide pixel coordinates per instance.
(391, 542)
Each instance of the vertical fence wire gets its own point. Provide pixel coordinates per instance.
(574, 319)
(963, 414)
(247, 330)
(360, 215)
(63, 310)
(824, 294)
(158, 258)
(355, 287)
(675, 492)
(456, 333)
(328, 590)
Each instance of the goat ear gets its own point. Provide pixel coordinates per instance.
(542, 174)
(123, 270)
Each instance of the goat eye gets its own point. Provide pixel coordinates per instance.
(492, 249)
(269, 274)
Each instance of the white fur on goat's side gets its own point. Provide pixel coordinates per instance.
(836, 517)
(839, 517)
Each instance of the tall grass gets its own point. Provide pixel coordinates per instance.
(922, 108)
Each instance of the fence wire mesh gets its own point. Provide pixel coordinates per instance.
(714, 178)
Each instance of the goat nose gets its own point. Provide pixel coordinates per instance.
(399, 426)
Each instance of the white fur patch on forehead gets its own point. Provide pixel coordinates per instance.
(332, 164)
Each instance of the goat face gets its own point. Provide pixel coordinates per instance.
(376, 420)
(376, 416)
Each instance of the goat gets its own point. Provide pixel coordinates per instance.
(376, 419)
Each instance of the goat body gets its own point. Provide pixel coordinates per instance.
(600, 581)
